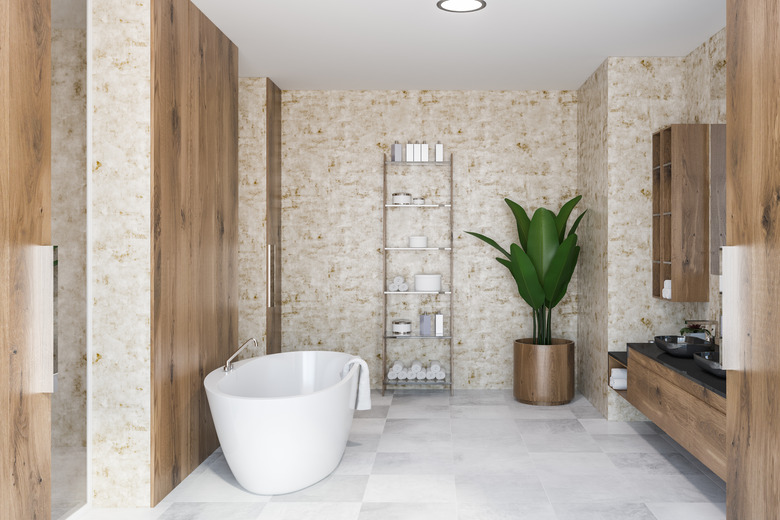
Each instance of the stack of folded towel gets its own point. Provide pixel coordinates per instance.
(416, 371)
(398, 285)
(618, 378)
(667, 290)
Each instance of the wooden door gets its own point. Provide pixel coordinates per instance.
(274, 219)
(25, 222)
(753, 226)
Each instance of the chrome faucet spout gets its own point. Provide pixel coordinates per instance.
(229, 363)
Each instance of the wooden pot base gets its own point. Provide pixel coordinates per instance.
(544, 374)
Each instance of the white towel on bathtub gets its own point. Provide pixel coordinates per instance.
(364, 383)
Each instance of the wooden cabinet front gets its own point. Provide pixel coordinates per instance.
(692, 415)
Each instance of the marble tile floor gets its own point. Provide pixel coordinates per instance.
(475, 455)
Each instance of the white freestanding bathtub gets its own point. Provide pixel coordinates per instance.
(283, 419)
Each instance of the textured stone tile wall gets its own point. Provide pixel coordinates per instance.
(69, 232)
(121, 255)
(642, 95)
(593, 312)
(521, 145)
(252, 211)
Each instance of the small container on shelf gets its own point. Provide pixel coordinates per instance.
(402, 198)
(424, 152)
(396, 152)
(409, 152)
(427, 282)
(439, 152)
(402, 327)
(418, 241)
(418, 201)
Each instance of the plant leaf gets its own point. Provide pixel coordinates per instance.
(523, 222)
(570, 266)
(576, 223)
(524, 273)
(542, 241)
(491, 242)
(558, 276)
(563, 216)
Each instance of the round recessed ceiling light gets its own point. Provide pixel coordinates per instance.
(461, 6)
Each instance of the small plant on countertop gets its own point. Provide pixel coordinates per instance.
(543, 262)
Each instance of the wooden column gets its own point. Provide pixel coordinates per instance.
(753, 224)
(195, 235)
(25, 221)
(274, 218)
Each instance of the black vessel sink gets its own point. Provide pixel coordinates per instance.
(683, 346)
(710, 362)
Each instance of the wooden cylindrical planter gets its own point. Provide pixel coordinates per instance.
(544, 374)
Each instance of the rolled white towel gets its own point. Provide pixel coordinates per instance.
(392, 375)
(430, 374)
(668, 284)
(666, 294)
(441, 376)
(393, 287)
(619, 373)
(421, 375)
(403, 375)
(435, 365)
(618, 384)
(416, 366)
(398, 280)
(397, 366)
(403, 287)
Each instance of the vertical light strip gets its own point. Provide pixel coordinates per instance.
(731, 332)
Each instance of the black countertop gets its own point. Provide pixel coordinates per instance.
(683, 366)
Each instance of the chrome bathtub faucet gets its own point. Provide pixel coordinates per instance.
(229, 363)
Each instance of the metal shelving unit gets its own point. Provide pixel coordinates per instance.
(447, 249)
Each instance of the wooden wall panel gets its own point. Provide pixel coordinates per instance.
(274, 217)
(25, 220)
(195, 198)
(753, 225)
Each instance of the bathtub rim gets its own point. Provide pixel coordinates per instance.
(213, 378)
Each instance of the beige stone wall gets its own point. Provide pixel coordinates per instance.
(642, 95)
(120, 252)
(593, 312)
(521, 145)
(69, 232)
(252, 211)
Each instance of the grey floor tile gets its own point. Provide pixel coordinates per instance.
(688, 511)
(500, 489)
(417, 426)
(417, 410)
(356, 463)
(677, 488)
(629, 443)
(309, 511)
(560, 442)
(524, 411)
(576, 489)
(334, 488)
(509, 511)
(428, 489)
(407, 511)
(484, 430)
(479, 397)
(613, 511)
(603, 426)
(212, 511)
(480, 411)
(367, 426)
(413, 464)
(376, 412)
(654, 463)
(363, 442)
(215, 483)
(548, 427)
(491, 459)
(594, 464)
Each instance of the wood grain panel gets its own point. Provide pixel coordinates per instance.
(662, 395)
(25, 221)
(753, 224)
(717, 195)
(195, 244)
(690, 210)
(543, 374)
(274, 216)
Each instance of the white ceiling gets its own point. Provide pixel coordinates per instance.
(410, 44)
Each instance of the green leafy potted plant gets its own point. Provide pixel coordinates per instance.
(542, 265)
